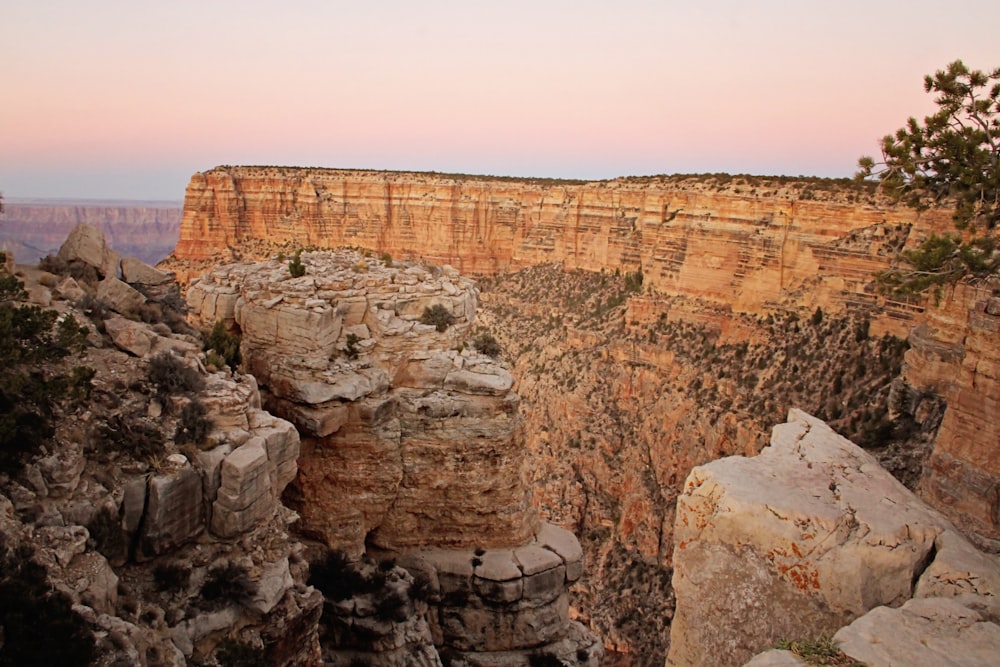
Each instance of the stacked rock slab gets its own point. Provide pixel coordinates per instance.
(805, 538)
(412, 441)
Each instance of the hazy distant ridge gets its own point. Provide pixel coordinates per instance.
(146, 229)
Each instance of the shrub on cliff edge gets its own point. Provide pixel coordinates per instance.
(224, 344)
(38, 621)
(295, 267)
(437, 316)
(33, 342)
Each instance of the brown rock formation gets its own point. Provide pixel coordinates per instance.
(408, 441)
(132, 519)
(412, 445)
(617, 412)
(955, 354)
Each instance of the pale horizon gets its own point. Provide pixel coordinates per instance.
(118, 100)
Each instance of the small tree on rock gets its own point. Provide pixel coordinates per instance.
(295, 267)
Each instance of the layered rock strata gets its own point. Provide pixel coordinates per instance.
(954, 354)
(407, 441)
(412, 445)
(807, 537)
(749, 246)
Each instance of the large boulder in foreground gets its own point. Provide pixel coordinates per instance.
(800, 541)
(86, 244)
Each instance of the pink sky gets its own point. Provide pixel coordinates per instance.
(128, 99)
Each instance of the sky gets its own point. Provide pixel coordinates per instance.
(128, 99)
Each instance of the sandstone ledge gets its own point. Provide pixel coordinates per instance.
(801, 540)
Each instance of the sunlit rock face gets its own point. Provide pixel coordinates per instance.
(616, 427)
(955, 354)
(410, 436)
(750, 245)
(803, 539)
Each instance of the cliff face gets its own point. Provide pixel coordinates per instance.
(955, 354)
(167, 543)
(748, 246)
(145, 230)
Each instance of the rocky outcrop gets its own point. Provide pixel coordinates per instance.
(166, 544)
(954, 354)
(617, 419)
(412, 446)
(86, 244)
(751, 246)
(805, 538)
(408, 442)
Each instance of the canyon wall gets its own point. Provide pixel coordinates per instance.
(626, 389)
(145, 230)
(749, 246)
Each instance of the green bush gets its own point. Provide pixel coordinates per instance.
(633, 281)
(437, 316)
(822, 651)
(295, 267)
(421, 588)
(107, 536)
(229, 582)
(352, 346)
(130, 434)
(545, 660)
(33, 342)
(486, 344)
(335, 576)
(235, 653)
(224, 344)
(171, 376)
(94, 308)
(172, 577)
(194, 424)
(387, 259)
(38, 621)
(391, 606)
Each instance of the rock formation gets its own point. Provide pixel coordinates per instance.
(954, 354)
(750, 246)
(412, 445)
(166, 546)
(753, 246)
(809, 536)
